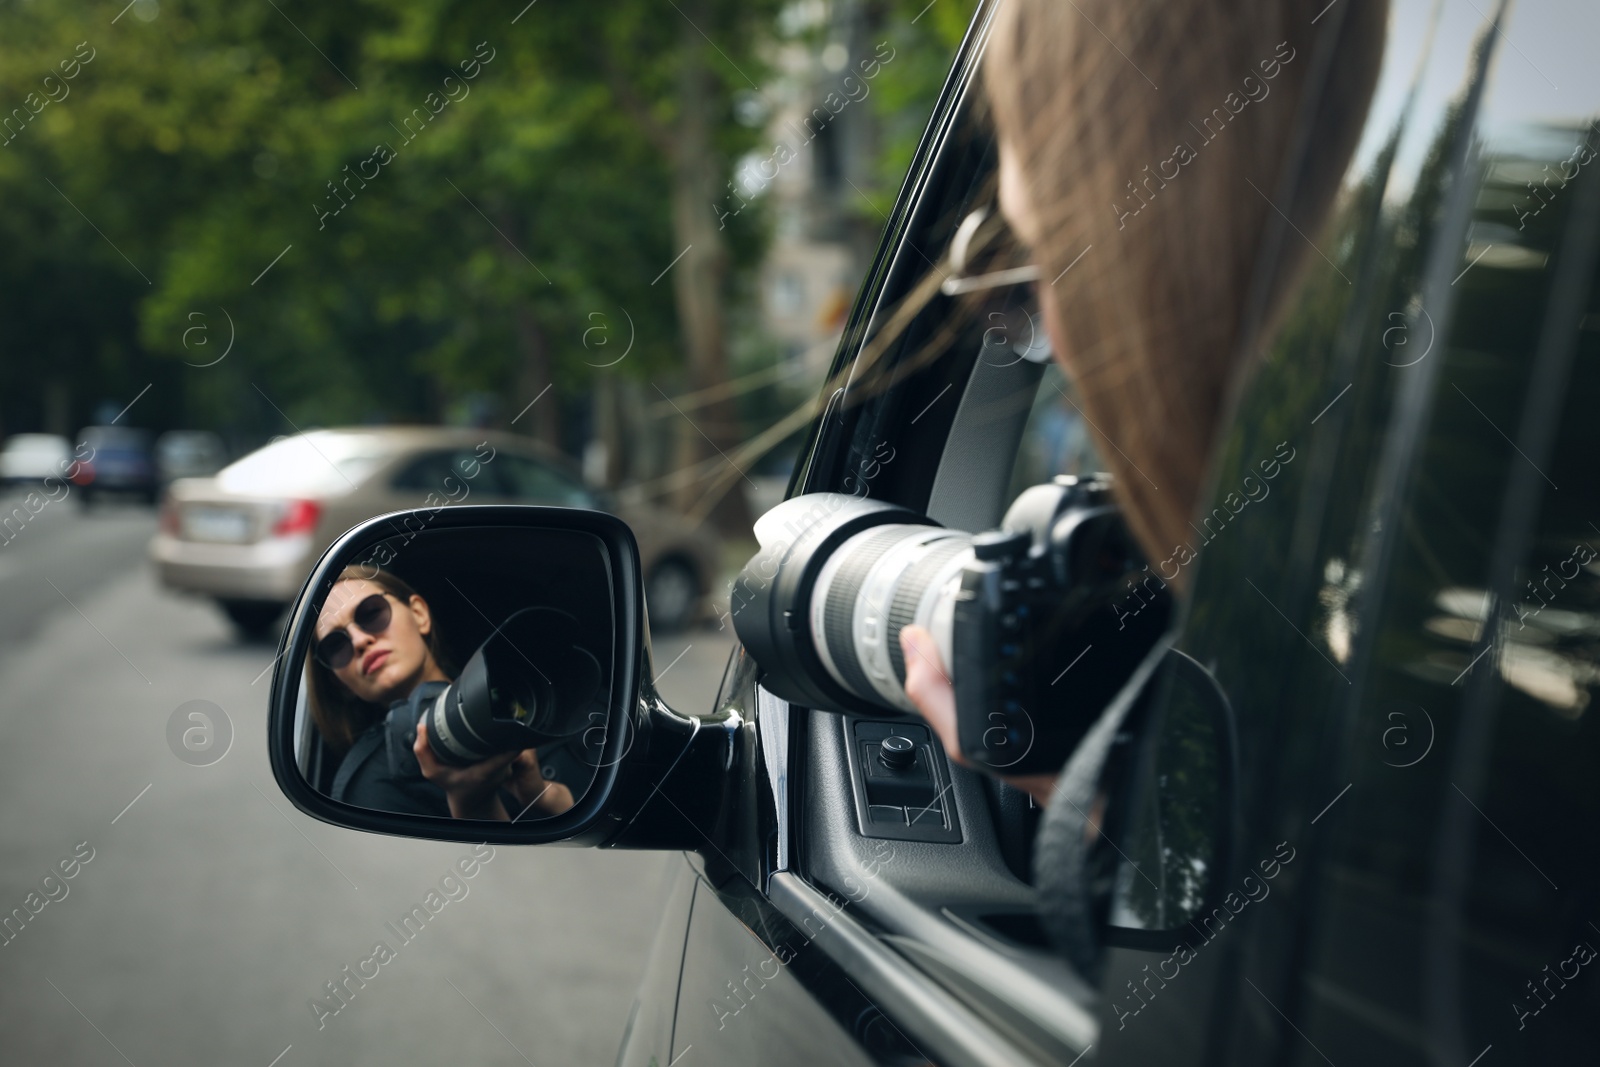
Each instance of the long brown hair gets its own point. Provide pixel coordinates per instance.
(1154, 318)
(340, 715)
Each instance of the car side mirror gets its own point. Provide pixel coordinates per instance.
(1179, 825)
(1145, 847)
(473, 674)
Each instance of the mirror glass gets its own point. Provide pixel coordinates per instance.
(460, 673)
(1176, 829)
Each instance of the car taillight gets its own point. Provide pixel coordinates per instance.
(299, 517)
(169, 517)
(83, 474)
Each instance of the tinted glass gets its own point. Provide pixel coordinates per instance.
(1414, 743)
(530, 481)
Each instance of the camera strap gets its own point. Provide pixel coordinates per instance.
(1071, 897)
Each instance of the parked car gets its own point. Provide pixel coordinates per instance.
(188, 454)
(121, 463)
(32, 457)
(248, 537)
(1386, 854)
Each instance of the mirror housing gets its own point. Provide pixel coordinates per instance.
(1161, 771)
(632, 740)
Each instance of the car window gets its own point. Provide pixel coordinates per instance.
(1056, 438)
(443, 471)
(311, 464)
(528, 480)
(115, 438)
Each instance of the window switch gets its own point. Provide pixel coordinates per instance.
(887, 813)
(928, 816)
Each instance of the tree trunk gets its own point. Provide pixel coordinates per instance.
(698, 281)
(608, 435)
(542, 421)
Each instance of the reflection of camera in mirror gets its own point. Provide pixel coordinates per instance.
(527, 685)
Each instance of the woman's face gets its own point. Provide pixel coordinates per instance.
(387, 665)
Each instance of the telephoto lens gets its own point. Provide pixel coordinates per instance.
(527, 685)
(821, 606)
(1038, 625)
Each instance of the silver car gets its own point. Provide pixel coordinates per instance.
(248, 536)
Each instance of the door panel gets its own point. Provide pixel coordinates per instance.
(647, 1039)
(742, 1000)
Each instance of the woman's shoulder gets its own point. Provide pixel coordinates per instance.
(367, 745)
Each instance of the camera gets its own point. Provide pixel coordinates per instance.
(527, 685)
(1039, 624)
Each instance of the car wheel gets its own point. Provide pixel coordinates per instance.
(671, 593)
(253, 619)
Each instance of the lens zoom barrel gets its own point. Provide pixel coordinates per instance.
(873, 586)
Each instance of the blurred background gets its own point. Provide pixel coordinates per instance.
(242, 245)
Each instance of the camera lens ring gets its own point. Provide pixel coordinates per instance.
(442, 732)
(839, 599)
(912, 591)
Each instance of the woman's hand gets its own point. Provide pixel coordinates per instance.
(529, 785)
(471, 790)
(930, 690)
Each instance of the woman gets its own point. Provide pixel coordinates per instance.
(376, 663)
(1152, 213)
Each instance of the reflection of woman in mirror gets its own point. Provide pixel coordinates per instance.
(376, 662)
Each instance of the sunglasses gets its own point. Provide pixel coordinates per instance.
(983, 234)
(372, 615)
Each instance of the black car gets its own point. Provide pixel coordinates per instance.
(1357, 830)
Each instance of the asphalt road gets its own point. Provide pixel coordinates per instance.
(209, 913)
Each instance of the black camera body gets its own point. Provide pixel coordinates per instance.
(1038, 643)
(1032, 621)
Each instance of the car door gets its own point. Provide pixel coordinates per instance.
(1411, 667)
